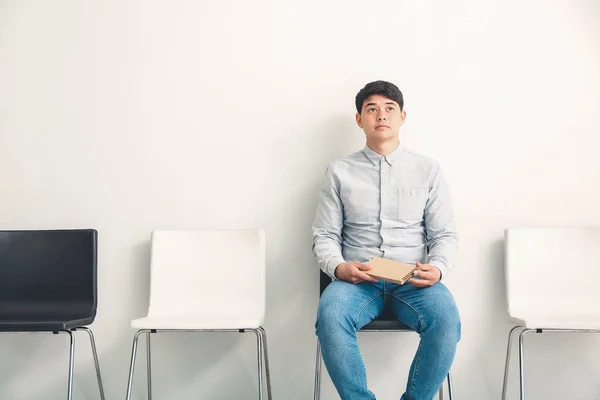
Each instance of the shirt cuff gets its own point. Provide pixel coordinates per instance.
(441, 266)
(332, 265)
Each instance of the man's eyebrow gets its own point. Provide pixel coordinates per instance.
(393, 103)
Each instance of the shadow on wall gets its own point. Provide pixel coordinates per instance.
(336, 137)
(480, 353)
(290, 220)
(496, 329)
(292, 272)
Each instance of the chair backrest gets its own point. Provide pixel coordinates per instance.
(552, 272)
(46, 267)
(324, 281)
(208, 274)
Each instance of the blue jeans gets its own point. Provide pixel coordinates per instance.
(344, 308)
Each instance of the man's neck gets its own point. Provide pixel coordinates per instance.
(383, 148)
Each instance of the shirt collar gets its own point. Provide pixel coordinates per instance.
(375, 158)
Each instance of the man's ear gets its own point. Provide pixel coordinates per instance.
(403, 116)
(359, 120)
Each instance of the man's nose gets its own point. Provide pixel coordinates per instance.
(381, 117)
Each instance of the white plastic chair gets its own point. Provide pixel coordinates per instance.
(541, 298)
(206, 281)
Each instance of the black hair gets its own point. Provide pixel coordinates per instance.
(382, 88)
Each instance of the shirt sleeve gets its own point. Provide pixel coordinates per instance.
(440, 230)
(327, 225)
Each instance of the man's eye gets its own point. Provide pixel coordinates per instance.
(390, 108)
(372, 109)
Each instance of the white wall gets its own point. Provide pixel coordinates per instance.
(128, 115)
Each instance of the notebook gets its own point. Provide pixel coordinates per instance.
(390, 270)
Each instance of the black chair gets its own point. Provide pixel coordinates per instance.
(48, 284)
(384, 323)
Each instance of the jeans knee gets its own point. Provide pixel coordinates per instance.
(332, 319)
(452, 328)
(445, 324)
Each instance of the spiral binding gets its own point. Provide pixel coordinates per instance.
(409, 275)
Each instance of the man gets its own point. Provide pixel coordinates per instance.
(385, 201)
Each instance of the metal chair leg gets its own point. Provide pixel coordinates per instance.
(132, 364)
(259, 351)
(96, 363)
(450, 394)
(149, 365)
(507, 362)
(317, 388)
(71, 364)
(521, 364)
(266, 355)
(441, 395)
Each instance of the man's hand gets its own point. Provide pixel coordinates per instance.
(353, 272)
(429, 275)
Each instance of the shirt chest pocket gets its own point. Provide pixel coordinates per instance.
(411, 202)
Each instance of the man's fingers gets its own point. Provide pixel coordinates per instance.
(358, 276)
(420, 283)
(424, 267)
(361, 275)
(364, 277)
(427, 275)
(362, 267)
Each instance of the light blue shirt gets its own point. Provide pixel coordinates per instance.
(396, 206)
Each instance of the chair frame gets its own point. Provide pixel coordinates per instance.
(70, 332)
(261, 347)
(524, 331)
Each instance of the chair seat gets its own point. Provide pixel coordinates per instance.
(194, 323)
(44, 326)
(385, 325)
(564, 322)
(49, 316)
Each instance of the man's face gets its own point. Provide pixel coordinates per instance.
(380, 118)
